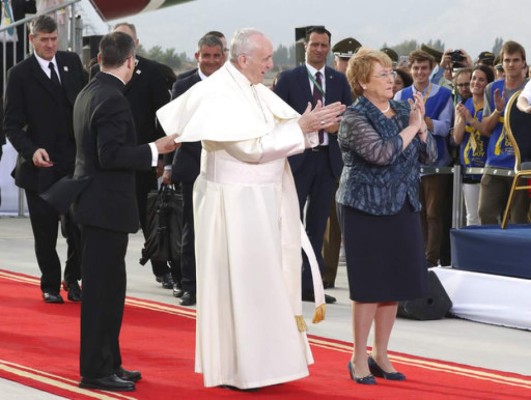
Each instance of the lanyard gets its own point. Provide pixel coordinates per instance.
(312, 78)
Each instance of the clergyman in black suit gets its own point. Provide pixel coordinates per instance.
(316, 170)
(184, 167)
(107, 157)
(40, 94)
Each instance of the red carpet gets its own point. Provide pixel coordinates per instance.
(40, 347)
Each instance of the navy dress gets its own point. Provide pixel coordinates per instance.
(378, 204)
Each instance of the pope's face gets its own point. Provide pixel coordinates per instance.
(259, 61)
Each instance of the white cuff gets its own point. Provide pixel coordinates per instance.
(154, 155)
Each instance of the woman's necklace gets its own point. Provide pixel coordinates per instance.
(387, 109)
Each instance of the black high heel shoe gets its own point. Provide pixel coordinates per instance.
(380, 373)
(365, 380)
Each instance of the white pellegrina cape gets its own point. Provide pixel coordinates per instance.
(250, 331)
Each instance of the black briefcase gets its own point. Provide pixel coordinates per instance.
(163, 225)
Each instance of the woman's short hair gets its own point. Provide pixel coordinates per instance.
(115, 48)
(361, 66)
(241, 43)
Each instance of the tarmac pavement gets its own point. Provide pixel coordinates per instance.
(449, 339)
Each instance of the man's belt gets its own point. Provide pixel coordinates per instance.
(320, 148)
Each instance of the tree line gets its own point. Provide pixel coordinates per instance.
(284, 57)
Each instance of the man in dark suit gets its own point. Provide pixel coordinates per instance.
(184, 166)
(316, 170)
(147, 91)
(107, 157)
(40, 95)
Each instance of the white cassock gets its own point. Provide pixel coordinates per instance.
(250, 331)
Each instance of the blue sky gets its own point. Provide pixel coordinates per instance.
(469, 24)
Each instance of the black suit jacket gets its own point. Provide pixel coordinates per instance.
(186, 74)
(38, 114)
(147, 91)
(293, 87)
(186, 161)
(108, 156)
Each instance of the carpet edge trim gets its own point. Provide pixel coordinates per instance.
(48, 379)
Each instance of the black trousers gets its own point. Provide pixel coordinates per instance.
(316, 186)
(188, 240)
(104, 284)
(45, 225)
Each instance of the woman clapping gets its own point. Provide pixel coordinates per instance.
(383, 143)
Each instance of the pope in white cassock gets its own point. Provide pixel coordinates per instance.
(250, 330)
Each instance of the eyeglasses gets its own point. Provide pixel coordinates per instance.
(462, 85)
(385, 75)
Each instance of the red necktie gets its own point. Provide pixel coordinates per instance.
(317, 95)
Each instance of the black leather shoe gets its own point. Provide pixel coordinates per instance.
(380, 373)
(165, 280)
(364, 380)
(126, 375)
(188, 299)
(177, 290)
(309, 296)
(330, 299)
(73, 289)
(112, 383)
(327, 285)
(52, 297)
